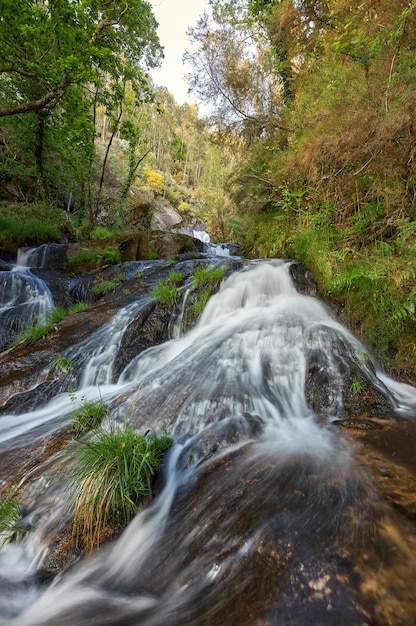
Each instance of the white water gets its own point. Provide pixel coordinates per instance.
(235, 381)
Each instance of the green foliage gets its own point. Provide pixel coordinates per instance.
(29, 233)
(60, 61)
(114, 470)
(166, 293)
(53, 316)
(175, 278)
(198, 306)
(61, 364)
(106, 286)
(10, 514)
(356, 387)
(88, 416)
(208, 276)
(109, 256)
(78, 307)
(95, 257)
(99, 232)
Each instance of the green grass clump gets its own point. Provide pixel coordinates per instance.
(61, 364)
(109, 256)
(204, 277)
(198, 306)
(78, 307)
(175, 278)
(33, 333)
(88, 416)
(105, 286)
(165, 293)
(10, 514)
(114, 470)
(53, 316)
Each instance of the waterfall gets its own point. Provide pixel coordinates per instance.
(25, 300)
(264, 514)
(48, 255)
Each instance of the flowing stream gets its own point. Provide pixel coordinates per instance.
(263, 515)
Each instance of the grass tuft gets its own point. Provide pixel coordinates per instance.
(114, 470)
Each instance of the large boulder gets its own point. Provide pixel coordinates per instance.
(164, 216)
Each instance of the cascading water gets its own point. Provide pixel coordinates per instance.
(24, 301)
(216, 249)
(265, 517)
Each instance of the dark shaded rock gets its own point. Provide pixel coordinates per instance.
(4, 266)
(303, 279)
(168, 244)
(341, 380)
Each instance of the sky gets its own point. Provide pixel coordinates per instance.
(174, 17)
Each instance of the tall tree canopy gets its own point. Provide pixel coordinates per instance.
(48, 45)
(233, 70)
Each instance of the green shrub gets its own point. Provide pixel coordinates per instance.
(109, 256)
(114, 470)
(32, 232)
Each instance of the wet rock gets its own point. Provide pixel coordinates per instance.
(303, 279)
(5, 266)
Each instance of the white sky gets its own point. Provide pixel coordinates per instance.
(174, 17)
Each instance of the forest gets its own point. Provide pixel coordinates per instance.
(309, 152)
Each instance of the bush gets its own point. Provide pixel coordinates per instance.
(114, 470)
(154, 180)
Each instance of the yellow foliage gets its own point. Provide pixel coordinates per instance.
(183, 207)
(155, 180)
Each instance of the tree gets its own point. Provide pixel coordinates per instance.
(47, 46)
(59, 61)
(233, 70)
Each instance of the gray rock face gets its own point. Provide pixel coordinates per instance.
(164, 216)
